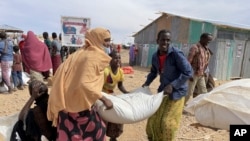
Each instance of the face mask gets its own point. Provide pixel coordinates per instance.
(107, 50)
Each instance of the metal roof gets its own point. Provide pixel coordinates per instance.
(217, 23)
(8, 28)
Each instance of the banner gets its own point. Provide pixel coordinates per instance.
(73, 30)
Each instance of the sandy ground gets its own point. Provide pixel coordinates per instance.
(190, 129)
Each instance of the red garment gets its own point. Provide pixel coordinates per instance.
(21, 43)
(56, 61)
(35, 54)
(118, 48)
(162, 59)
(17, 62)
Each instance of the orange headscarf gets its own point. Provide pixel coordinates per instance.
(78, 82)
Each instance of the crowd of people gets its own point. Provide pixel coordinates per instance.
(68, 111)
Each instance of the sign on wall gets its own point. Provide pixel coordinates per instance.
(73, 30)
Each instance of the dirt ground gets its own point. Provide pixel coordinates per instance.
(190, 129)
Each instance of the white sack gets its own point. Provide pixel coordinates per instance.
(4, 88)
(130, 108)
(6, 125)
(226, 104)
(25, 77)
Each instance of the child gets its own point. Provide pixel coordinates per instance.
(33, 116)
(17, 69)
(113, 75)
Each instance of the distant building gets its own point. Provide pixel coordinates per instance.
(230, 47)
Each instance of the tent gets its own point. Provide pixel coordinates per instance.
(8, 28)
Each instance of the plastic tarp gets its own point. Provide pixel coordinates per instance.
(225, 105)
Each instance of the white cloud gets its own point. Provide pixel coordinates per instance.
(121, 17)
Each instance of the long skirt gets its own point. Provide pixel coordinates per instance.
(83, 126)
(164, 124)
(56, 61)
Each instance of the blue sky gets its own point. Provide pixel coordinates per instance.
(122, 17)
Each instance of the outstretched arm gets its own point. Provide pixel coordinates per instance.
(23, 114)
(121, 87)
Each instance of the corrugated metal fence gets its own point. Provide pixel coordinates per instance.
(230, 59)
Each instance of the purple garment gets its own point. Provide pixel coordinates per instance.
(132, 53)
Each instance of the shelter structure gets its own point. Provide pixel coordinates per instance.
(13, 32)
(8, 28)
(230, 47)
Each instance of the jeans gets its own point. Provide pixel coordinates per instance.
(17, 78)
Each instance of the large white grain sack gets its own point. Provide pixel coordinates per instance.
(6, 125)
(130, 108)
(226, 104)
(25, 77)
(4, 88)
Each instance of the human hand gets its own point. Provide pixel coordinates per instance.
(191, 79)
(168, 89)
(144, 85)
(205, 74)
(107, 102)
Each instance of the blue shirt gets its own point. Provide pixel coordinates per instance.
(6, 55)
(55, 44)
(176, 71)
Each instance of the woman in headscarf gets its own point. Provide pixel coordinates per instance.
(77, 85)
(35, 56)
(6, 58)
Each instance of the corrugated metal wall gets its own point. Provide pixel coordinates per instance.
(212, 63)
(208, 27)
(196, 28)
(237, 57)
(147, 36)
(229, 57)
(179, 29)
(163, 23)
(223, 61)
(231, 52)
(245, 70)
(152, 49)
